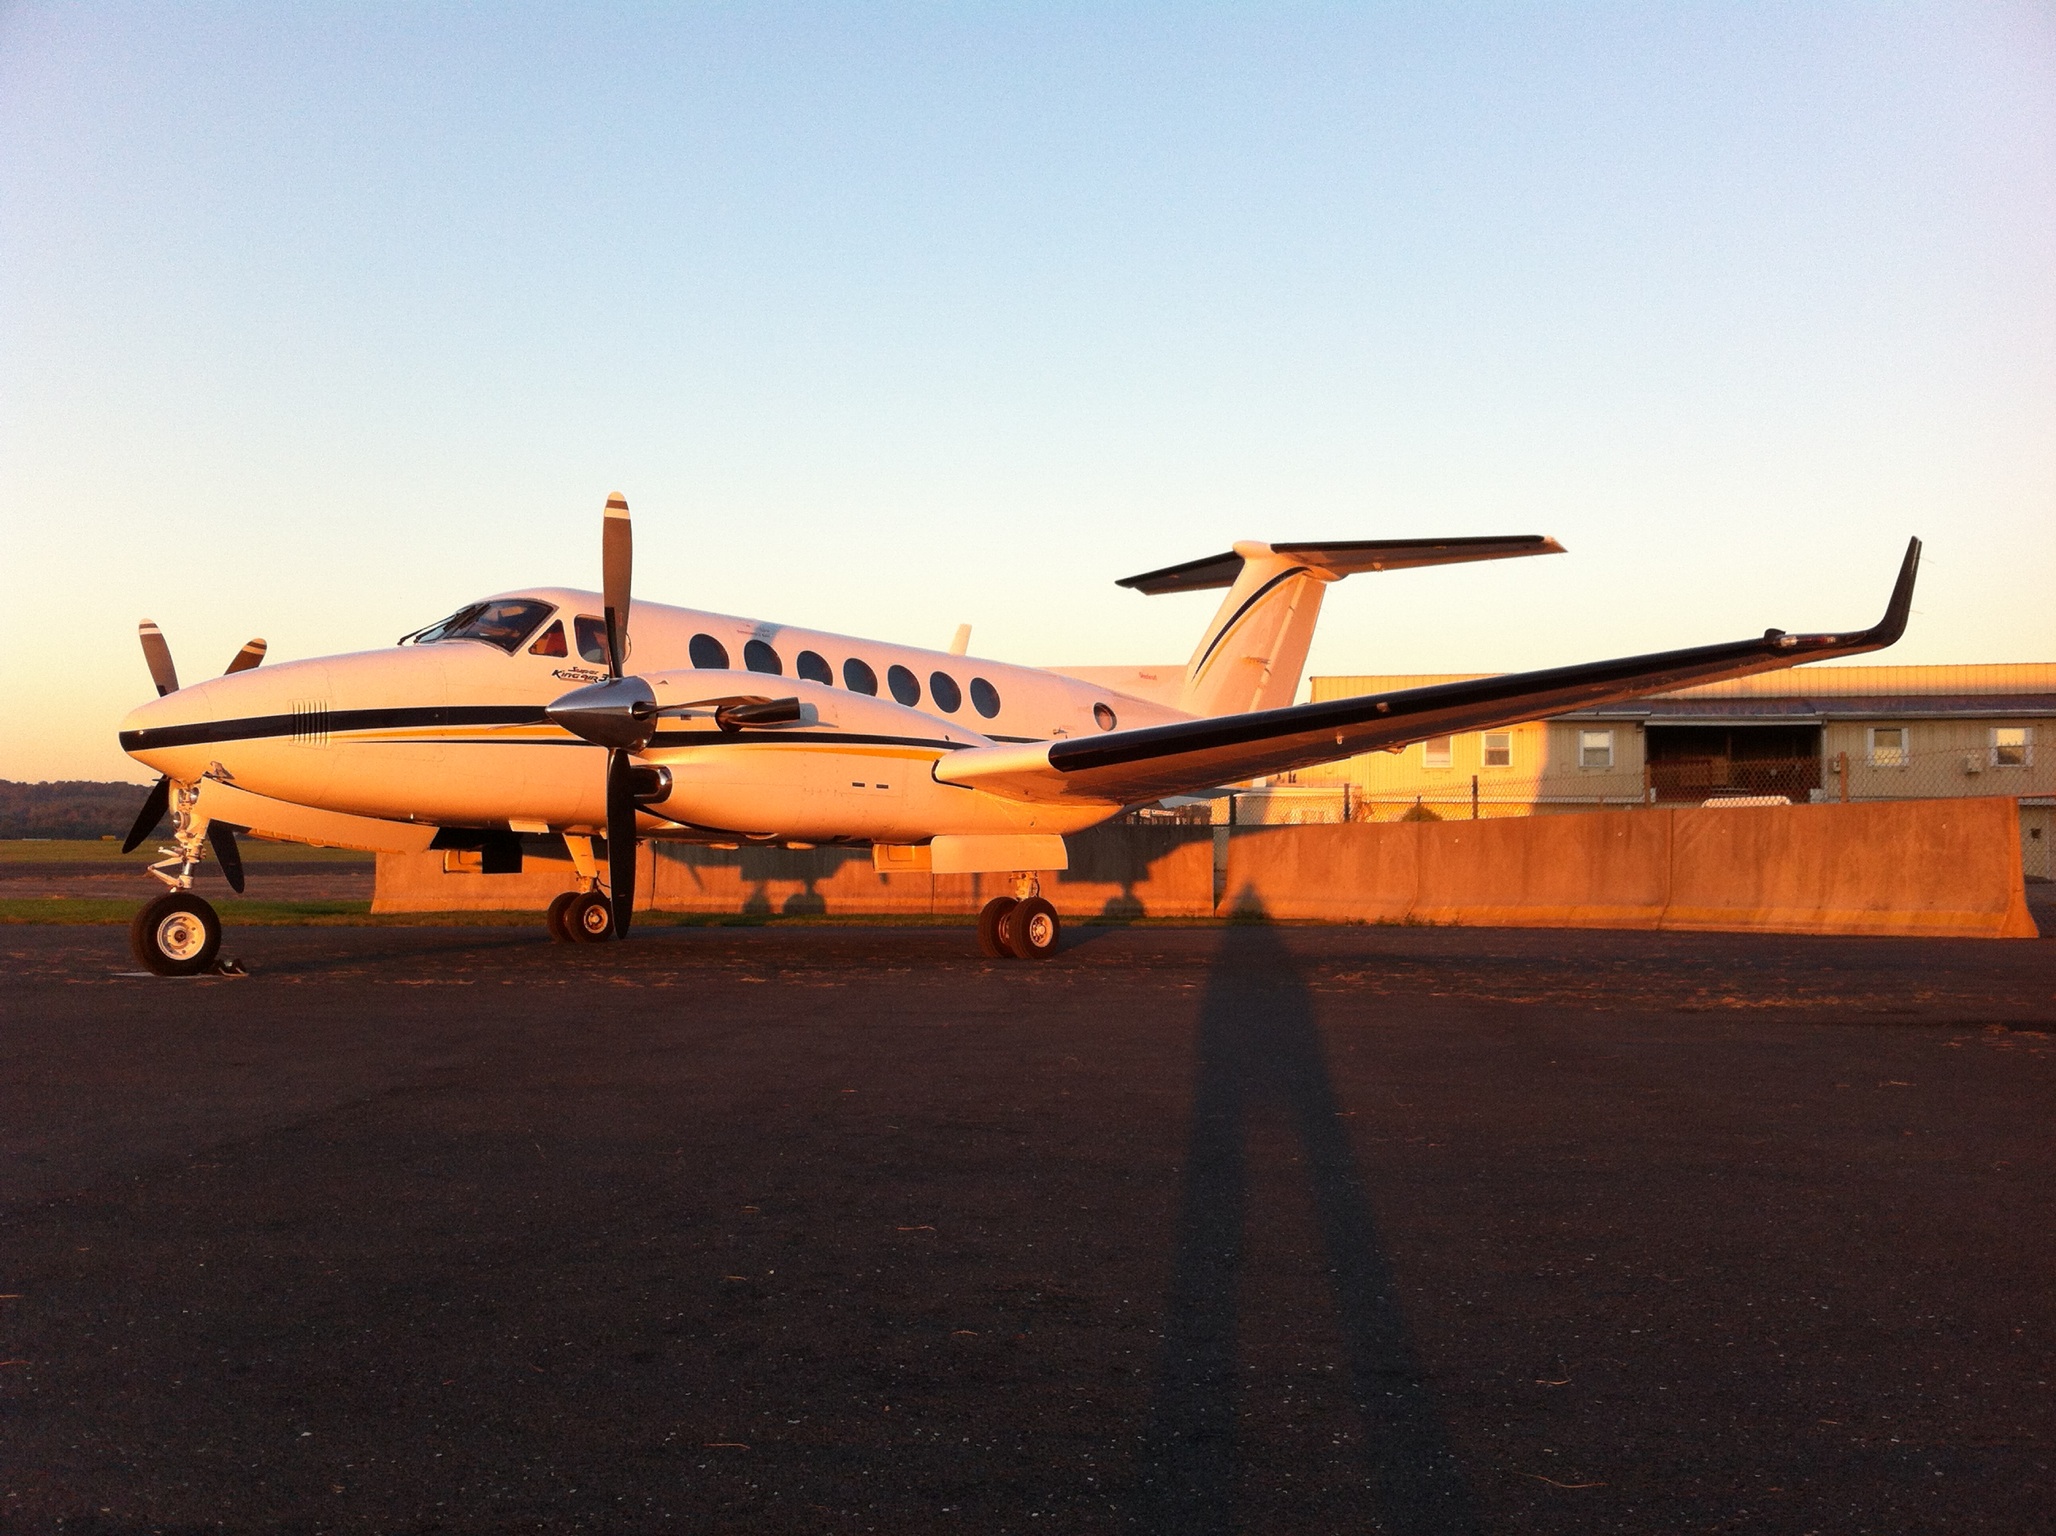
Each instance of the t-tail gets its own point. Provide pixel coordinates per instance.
(1252, 653)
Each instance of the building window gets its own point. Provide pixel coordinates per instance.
(1498, 750)
(1888, 746)
(1595, 749)
(759, 657)
(904, 685)
(1435, 752)
(858, 677)
(984, 697)
(708, 654)
(944, 690)
(813, 666)
(2013, 746)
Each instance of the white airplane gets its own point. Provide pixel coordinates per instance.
(555, 711)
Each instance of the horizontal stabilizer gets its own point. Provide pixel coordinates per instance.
(1346, 557)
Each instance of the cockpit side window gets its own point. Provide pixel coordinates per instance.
(551, 642)
(592, 638)
(505, 623)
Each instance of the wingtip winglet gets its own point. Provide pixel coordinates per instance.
(1893, 624)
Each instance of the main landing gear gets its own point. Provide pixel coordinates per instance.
(580, 917)
(1019, 927)
(583, 915)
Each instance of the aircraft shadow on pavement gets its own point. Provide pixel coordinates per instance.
(1259, 1054)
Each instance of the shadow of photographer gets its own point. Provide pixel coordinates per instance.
(1259, 1055)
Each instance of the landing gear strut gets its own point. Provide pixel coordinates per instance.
(1019, 927)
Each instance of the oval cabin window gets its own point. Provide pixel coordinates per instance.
(858, 677)
(813, 666)
(708, 654)
(759, 657)
(904, 685)
(1103, 717)
(984, 697)
(942, 688)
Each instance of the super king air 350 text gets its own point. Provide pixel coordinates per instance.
(582, 716)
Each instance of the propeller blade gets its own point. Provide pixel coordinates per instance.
(158, 654)
(617, 562)
(155, 804)
(248, 657)
(621, 839)
(222, 837)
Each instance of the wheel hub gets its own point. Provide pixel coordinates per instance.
(181, 936)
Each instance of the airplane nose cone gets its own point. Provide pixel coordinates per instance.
(156, 733)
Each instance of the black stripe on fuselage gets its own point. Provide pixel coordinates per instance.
(333, 722)
(343, 721)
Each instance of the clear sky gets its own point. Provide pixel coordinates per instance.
(316, 322)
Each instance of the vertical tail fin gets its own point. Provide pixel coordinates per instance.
(1251, 655)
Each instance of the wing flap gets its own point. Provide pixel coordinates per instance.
(1124, 767)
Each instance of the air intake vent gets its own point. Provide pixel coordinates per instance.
(310, 724)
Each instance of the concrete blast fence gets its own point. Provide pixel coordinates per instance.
(1934, 868)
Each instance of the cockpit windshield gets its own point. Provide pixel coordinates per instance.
(505, 623)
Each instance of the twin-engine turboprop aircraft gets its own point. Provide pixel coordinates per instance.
(584, 716)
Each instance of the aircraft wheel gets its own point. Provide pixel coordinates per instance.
(992, 928)
(176, 935)
(589, 918)
(553, 919)
(1033, 929)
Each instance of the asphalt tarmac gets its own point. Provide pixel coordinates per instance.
(1185, 1230)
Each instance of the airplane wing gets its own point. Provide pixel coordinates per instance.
(1124, 767)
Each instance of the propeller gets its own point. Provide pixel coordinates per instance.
(618, 714)
(222, 837)
(621, 713)
(157, 653)
(155, 804)
(248, 657)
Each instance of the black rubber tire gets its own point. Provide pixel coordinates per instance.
(1033, 929)
(589, 918)
(178, 934)
(992, 928)
(553, 918)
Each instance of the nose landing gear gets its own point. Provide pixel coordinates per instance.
(1019, 927)
(179, 934)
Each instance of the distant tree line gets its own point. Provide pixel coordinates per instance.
(68, 808)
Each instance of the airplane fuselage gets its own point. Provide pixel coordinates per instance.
(453, 732)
